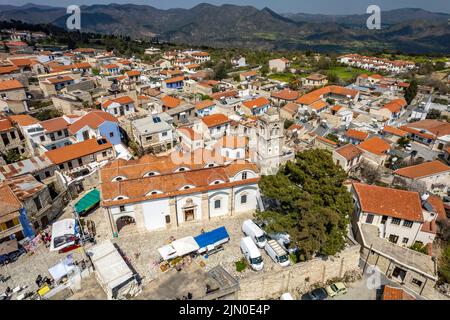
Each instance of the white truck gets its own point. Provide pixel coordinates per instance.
(252, 254)
(251, 230)
(277, 253)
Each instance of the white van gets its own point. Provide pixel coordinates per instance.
(251, 230)
(252, 254)
(277, 253)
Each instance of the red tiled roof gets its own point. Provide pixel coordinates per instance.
(204, 104)
(315, 95)
(396, 105)
(375, 145)
(438, 206)
(251, 73)
(174, 79)
(356, 134)
(395, 131)
(10, 85)
(435, 127)
(110, 66)
(256, 103)
(423, 170)
(214, 120)
(59, 79)
(133, 73)
(55, 124)
(328, 141)
(286, 94)
(291, 108)
(349, 151)
(93, 120)
(23, 120)
(391, 293)
(5, 124)
(8, 69)
(389, 202)
(224, 94)
(76, 150)
(120, 100)
(170, 102)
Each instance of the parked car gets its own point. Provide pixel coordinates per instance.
(336, 289)
(408, 147)
(316, 294)
(257, 235)
(251, 254)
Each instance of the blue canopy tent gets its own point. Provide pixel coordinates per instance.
(210, 240)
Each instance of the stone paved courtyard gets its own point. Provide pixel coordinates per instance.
(139, 247)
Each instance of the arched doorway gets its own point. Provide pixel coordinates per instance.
(125, 221)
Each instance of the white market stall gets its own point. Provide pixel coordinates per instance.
(112, 272)
(179, 248)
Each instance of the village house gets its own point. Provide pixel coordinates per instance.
(393, 134)
(389, 112)
(324, 143)
(255, 107)
(386, 222)
(289, 111)
(279, 65)
(213, 127)
(154, 132)
(110, 69)
(12, 96)
(315, 101)
(159, 194)
(96, 124)
(40, 167)
(239, 62)
(354, 136)
(284, 96)
(375, 150)
(205, 108)
(248, 75)
(434, 175)
(347, 156)
(12, 139)
(315, 80)
(121, 106)
(52, 85)
(201, 57)
(189, 140)
(82, 153)
(172, 84)
(433, 133)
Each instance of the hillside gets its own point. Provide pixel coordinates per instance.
(409, 30)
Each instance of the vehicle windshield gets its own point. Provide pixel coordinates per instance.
(283, 258)
(333, 286)
(256, 260)
(261, 238)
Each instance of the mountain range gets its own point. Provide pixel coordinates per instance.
(408, 30)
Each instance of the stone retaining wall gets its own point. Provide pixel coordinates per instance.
(299, 278)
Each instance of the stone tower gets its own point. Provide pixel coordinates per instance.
(269, 142)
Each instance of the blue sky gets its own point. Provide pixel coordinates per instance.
(281, 6)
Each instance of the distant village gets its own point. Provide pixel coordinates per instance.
(125, 158)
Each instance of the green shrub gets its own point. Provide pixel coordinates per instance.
(241, 265)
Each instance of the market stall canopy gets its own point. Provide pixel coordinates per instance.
(111, 269)
(62, 269)
(91, 199)
(8, 246)
(185, 245)
(212, 238)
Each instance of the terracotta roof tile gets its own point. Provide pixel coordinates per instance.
(286, 94)
(93, 120)
(356, 134)
(375, 145)
(120, 100)
(170, 102)
(256, 103)
(395, 131)
(10, 85)
(349, 151)
(391, 293)
(76, 150)
(214, 120)
(389, 202)
(423, 170)
(204, 104)
(55, 124)
(24, 120)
